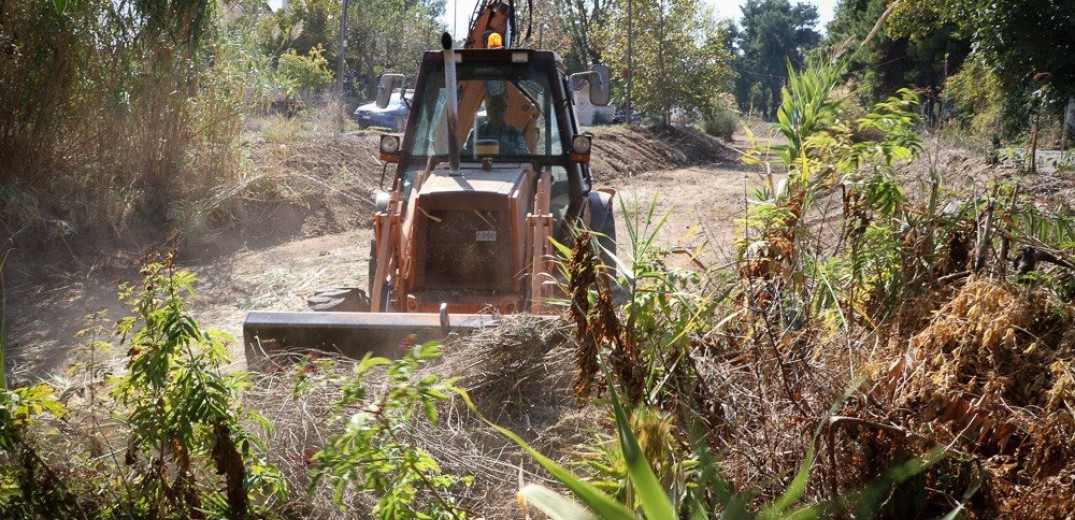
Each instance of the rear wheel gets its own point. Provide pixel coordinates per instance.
(607, 240)
(608, 254)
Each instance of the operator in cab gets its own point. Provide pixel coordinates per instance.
(495, 129)
(511, 139)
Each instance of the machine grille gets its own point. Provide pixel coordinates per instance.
(468, 249)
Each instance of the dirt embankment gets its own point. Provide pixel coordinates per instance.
(621, 151)
(298, 221)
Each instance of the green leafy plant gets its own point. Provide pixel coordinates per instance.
(182, 408)
(28, 483)
(377, 451)
(303, 74)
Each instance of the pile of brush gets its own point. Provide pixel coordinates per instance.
(991, 380)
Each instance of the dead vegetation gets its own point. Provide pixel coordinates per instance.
(991, 376)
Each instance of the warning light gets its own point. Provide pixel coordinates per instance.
(496, 41)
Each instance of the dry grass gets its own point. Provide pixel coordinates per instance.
(517, 374)
(989, 377)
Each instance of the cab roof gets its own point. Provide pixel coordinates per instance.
(498, 55)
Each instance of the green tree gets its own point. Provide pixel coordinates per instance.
(1015, 39)
(383, 36)
(578, 19)
(302, 26)
(888, 63)
(390, 36)
(773, 33)
(1018, 37)
(679, 65)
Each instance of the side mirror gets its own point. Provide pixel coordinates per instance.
(600, 90)
(389, 83)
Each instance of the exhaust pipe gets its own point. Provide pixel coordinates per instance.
(452, 99)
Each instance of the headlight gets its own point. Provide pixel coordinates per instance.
(389, 144)
(580, 144)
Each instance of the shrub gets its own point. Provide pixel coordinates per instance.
(304, 74)
(170, 442)
(977, 97)
(375, 453)
(722, 124)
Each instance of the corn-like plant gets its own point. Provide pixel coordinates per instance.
(708, 494)
(779, 254)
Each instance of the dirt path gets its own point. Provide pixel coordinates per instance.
(45, 311)
(700, 206)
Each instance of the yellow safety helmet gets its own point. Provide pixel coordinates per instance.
(496, 41)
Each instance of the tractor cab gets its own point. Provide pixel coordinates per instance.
(514, 107)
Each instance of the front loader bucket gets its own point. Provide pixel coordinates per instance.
(276, 335)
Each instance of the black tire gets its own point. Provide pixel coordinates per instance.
(341, 299)
(608, 251)
(607, 240)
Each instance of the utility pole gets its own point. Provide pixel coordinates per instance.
(630, 69)
(339, 67)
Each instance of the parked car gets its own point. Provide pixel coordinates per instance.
(393, 116)
(621, 117)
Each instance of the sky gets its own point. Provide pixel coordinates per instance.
(724, 8)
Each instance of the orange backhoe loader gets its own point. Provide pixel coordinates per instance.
(486, 172)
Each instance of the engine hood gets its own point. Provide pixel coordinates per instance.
(501, 180)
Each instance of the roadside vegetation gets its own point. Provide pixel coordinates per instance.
(883, 343)
(872, 350)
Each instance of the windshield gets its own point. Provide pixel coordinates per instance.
(504, 111)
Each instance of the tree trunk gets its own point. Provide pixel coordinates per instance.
(1034, 144)
(1069, 122)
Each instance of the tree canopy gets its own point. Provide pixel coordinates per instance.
(383, 35)
(774, 32)
(891, 62)
(680, 66)
(1018, 38)
(1020, 46)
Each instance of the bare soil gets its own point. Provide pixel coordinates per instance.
(301, 221)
